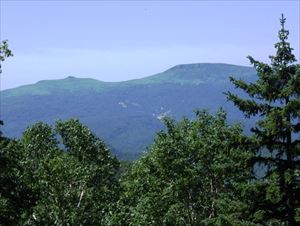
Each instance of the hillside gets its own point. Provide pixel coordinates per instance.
(127, 114)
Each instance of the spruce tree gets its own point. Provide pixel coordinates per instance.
(275, 98)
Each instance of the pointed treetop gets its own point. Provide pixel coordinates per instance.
(284, 55)
(283, 34)
(282, 20)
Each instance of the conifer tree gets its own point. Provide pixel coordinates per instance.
(275, 98)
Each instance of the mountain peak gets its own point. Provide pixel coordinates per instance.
(71, 77)
(198, 73)
(206, 66)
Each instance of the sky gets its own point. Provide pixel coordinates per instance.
(122, 40)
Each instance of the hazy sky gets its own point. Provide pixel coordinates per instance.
(121, 40)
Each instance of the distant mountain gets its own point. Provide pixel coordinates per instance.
(126, 115)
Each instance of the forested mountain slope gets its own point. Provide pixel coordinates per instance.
(125, 114)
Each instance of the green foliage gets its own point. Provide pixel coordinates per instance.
(102, 168)
(15, 194)
(275, 96)
(4, 53)
(190, 176)
(42, 184)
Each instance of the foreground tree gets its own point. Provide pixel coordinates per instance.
(48, 185)
(191, 176)
(12, 191)
(101, 187)
(275, 97)
(15, 194)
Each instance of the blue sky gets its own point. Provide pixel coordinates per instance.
(121, 40)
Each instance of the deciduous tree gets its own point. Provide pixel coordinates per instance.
(191, 176)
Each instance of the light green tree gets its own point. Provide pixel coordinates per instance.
(101, 185)
(52, 185)
(192, 175)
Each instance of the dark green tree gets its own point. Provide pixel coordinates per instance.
(190, 176)
(275, 98)
(15, 194)
(12, 190)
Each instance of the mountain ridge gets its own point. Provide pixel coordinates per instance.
(127, 114)
(169, 75)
